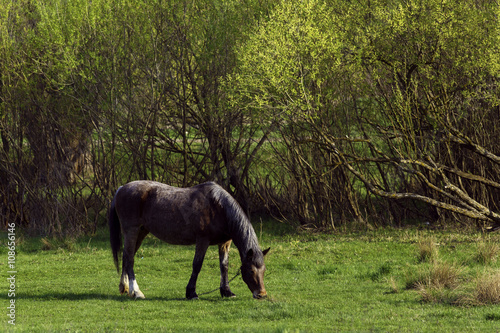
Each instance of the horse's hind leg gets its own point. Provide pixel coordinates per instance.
(130, 246)
(140, 237)
(223, 260)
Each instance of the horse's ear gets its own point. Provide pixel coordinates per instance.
(250, 254)
(265, 251)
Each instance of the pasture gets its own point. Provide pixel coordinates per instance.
(351, 281)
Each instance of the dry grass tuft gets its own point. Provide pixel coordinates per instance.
(488, 289)
(427, 249)
(435, 294)
(441, 283)
(438, 283)
(439, 275)
(68, 244)
(487, 253)
(443, 275)
(393, 285)
(46, 244)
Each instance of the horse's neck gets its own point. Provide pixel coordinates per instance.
(244, 239)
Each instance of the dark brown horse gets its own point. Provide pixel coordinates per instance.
(203, 215)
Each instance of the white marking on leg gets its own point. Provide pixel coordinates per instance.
(124, 285)
(134, 290)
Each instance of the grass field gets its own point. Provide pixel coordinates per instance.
(316, 283)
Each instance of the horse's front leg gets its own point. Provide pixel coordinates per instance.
(201, 249)
(223, 260)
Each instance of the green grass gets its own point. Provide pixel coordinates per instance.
(316, 283)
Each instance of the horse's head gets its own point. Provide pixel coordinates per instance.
(252, 272)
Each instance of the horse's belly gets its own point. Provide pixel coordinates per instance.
(185, 235)
(174, 236)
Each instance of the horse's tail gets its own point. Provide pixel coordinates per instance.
(115, 234)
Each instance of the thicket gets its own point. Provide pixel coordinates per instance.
(327, 113)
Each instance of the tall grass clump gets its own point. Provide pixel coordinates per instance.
(439, 275)
(68, 244)
(438, 283)
(487, 253)
(427, 249)
(488, 289)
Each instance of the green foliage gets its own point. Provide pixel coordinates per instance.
(408, 52)
(284, 66)
(375, 80)
(257, 95)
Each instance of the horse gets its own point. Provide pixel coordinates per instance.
(204, 215)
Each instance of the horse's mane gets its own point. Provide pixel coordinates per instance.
(241, 229)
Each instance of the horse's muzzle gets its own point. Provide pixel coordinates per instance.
(260, 295)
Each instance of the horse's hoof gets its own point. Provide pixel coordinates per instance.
(137, 295)
(191, 293)
(227, 293)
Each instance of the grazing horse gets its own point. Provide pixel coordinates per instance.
(204, 215)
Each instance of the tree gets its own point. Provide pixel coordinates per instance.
(42, 139)
(95, 94)
(396, 91)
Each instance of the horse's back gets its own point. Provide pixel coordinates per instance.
(132, 198)
(175, 215)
